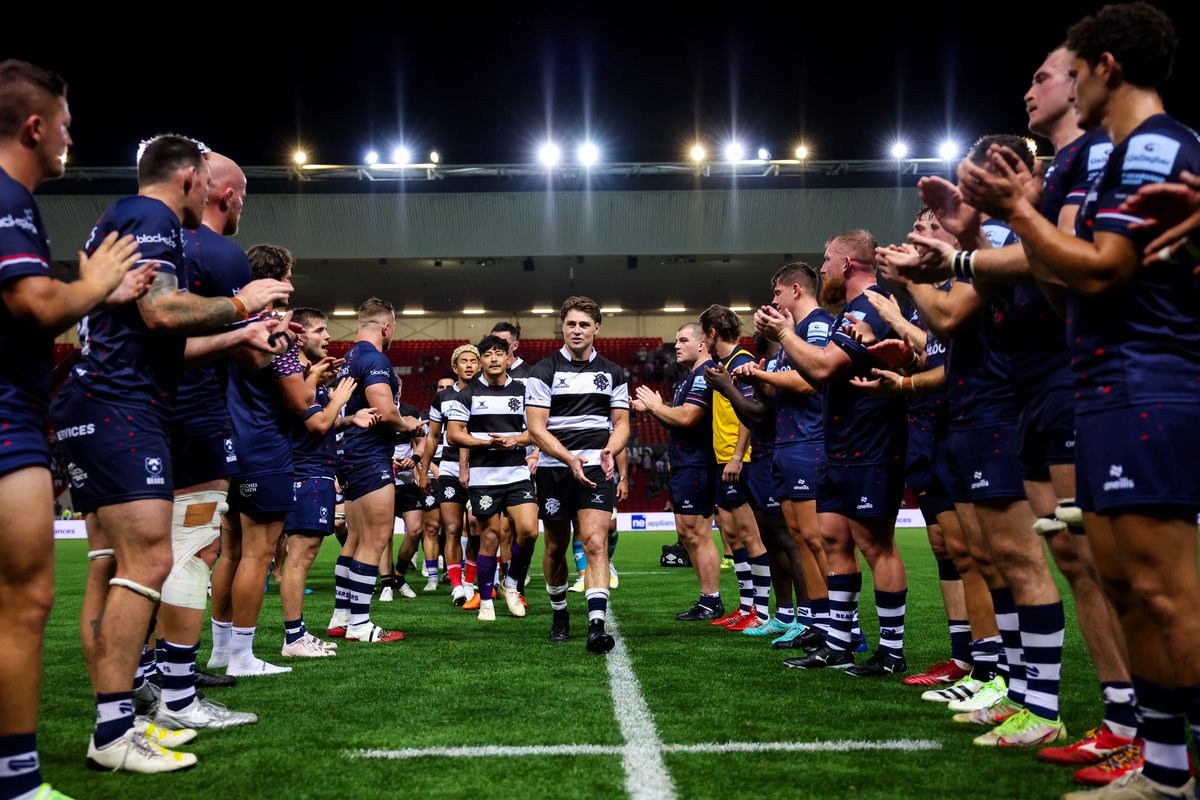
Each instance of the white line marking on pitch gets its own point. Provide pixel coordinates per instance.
(646, 776)
(833, 746)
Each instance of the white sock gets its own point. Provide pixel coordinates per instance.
(242, 646)
(222, 632)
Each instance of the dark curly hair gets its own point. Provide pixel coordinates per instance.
(979, 151)
(1140, 37)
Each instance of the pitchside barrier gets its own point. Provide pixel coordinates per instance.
(651, 521)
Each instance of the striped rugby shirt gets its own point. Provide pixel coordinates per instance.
(447, 454)
(488, 409)
(580, 397)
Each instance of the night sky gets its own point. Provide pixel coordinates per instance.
(488, 87)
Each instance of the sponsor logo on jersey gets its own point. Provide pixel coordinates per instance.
(1097, 157)
(980, 482)
(78, 476)
(561, 384)
(817, 331)
(1120, 481)
(1150, 152)
(76, 431)
(552, 505)
(527, 495)
(156, 238)
(247, 489)
(864, 504)
(25, 222)
(598, 498)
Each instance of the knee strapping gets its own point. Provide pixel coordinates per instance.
(196, 522)
(187, 585)
(137, 588)
(96, 555)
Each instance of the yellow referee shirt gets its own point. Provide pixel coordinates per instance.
(724, 420)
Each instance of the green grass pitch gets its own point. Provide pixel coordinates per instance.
(457, 682)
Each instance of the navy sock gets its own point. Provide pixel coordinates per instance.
(1163, 729)
(985, 658)
(843, 602)
(960, 640)
(361, 583)
(1120, 708)
(710, 600)
(785, 614)
(741, 568)
(597, 603)
(558, 597)
(1042, 631)
(820, 613)
(1010, 634)
(805, 614)
(431, 568)
(20, 768)
(891, 607)
(518, 566)
(760, 576)
(178, 675)
(114, 716)
(293, 630)
(341, 584)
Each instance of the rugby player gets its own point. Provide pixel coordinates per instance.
(1134, 338)
(488, 420)
(577, 410)
(410, 504)
(34, 137)
(451, 495)
(123, 388)
(688, 421)
(432, 514)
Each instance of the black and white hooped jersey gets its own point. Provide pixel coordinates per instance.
(404, 446)
(446, 454)
(487, 410)
(580, 396)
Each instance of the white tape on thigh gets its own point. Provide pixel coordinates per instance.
(96, 555)
(195, 524)
(134, 586)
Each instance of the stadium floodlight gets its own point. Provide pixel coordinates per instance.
(588, 154)
(435, 157)
(1032, 144)
(345, 312)
(899, 150)
(541, 310)
(734, 151)
(611, 310)
(300, 157)
(740, 308)
(697, 153)
(413, 312)
(764, 154)
(674, 309)
(401, 156)
(372, 158)
(801, 152)
(549, 154)
(948, 150)
(474, 311)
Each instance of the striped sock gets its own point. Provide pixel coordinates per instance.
(856, 634)
(985, 658)
(361, 582)
(558, 597)
(1042, 630)
(805, 614)
(741, 568)
(431, 570)
(960, 641)
(1008, 622)
(114, 716)
(785, 614)
(843, 599)
(1120, 708)
(891, 607)
(760, 575)
(820, 613)
(580, 556)
(341, 583)
(1164, 731)
(597, 603)
(179, 675)
(487, 576)
(21, 770)
(293, 630)
(1191, 698)
(139, 673)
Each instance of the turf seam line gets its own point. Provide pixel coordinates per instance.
(646, 775)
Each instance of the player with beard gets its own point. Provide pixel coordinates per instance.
(688, 421)
(449, 492)
(34, 137)
(124, 385)
(862, 478)
(1134, 335)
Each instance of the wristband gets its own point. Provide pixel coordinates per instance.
(906, 385)
(239, 307)
(963, 264)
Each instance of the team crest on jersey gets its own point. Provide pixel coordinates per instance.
(485, 502)
(448, 493)
(230, 455)
(154, 468)
(552, 505)
(601, 382)
(323, 517)
(429, 501)
(514, 404)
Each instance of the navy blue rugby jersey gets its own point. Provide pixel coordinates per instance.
(369, 367)
(313, 453)
(123, 361)
(762, 435)
(692, 447)
(581, 396)
(488, 409)
(262, 428)
(859, 428)
(213, 266)
(26, 355)
(1139, 342)
(929, 411)
(798, 418)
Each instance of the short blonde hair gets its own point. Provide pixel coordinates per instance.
(463, 348)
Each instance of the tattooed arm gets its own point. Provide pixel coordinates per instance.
(166, 308)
